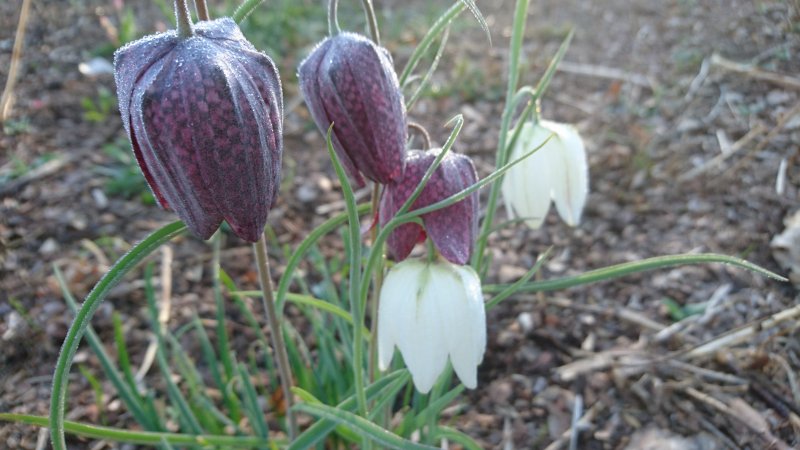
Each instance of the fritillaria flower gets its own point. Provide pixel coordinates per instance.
(557, 171)
(204, 116)
(432, 311)
(350, 82)
(452, 229)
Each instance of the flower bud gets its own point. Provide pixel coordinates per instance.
(204, 116)
(432, 312)
(557, 171)
(350, 82)
(452, 229)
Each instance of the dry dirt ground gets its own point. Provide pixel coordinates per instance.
(691, 114)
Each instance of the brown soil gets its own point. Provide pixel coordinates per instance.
(642, 85)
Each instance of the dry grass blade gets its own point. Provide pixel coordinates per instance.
(7, 99)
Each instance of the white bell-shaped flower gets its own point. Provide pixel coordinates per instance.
(558, 171)
(432, 311)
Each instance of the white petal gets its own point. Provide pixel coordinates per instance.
(466, 338)
(571, 187)
(527, 186)
(422, 345)
(395, 311)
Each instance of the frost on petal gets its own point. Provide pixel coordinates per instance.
(572, 186)
(527, 187)
(204, 116)
(350, 82)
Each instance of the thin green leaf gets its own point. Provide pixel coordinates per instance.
(360, 425)
(515, 286)
(453, 435)
(629, 268)
(354, 250)
(433, 33)
(317, 432)
(140, 437)
(473, 8)
(186, 415)
(427, 77)
(252, 406)
(124, 265)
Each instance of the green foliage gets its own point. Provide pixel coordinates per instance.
(101, 108)
(124, 177)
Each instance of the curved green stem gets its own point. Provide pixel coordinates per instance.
(372, 20)
(142, 437)
(281, 357)
(333, 18)
(518, 33)
(183, 19)
(245, 9)
(124, 265)
(202, 10)
(357, 306)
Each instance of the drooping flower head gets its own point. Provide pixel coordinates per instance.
(204, 114)
(452, 229)
(432, 311)
(349, 81)
(558, 171)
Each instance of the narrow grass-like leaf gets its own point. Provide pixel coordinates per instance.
(326, 227)
(96, 388)
(514, 287)
(357, 307)
(185, 416)
(252, 405)
(473, 8)
(224, 349)
(124, 265)
(360, 425)
(629, 268)
(141, 437)
(544, 82)
(122, 352)
(128, 394)
(433, 33)
(317, 432)
(435, 407)
(423, 83)
(515, 49)
(453, 435)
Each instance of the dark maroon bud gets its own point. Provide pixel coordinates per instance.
(204, 115)
(350, 82)
(452, 229)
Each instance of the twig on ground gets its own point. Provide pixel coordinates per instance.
(608, 73)
(785, 118)
(754, 72)
(742, 143)
(622, 313)
(741, 413)
(49, 168)
(164, 311)
(580, 425)
(741, 334)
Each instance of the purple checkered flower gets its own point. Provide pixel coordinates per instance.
(204, 116)
(452, 229)
(350, 82)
